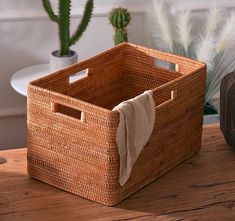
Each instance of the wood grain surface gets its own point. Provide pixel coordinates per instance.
(202, 188)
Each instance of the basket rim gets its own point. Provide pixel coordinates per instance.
(32, 86)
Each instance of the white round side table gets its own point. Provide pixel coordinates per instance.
(21, 79)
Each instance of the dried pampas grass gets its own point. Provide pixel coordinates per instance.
(211, 45)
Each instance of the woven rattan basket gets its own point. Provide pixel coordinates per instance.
(72, 128)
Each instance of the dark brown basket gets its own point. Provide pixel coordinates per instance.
(72, 128)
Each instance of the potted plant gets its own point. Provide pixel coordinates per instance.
(212, 44)
(120, 18)
(65, 56)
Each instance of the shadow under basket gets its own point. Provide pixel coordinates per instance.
(72, 128)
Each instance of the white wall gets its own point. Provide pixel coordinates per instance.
(27, 37)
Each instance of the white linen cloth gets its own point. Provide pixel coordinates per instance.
(136, 123)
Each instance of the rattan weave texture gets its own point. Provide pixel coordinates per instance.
(72, 128)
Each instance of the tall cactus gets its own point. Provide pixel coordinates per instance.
(120, 18)
(63, 20)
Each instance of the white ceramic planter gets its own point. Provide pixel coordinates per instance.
(57, 62)
(214, 118)
(211, 119)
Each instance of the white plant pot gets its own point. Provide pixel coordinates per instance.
(211, 119)
(57, 62)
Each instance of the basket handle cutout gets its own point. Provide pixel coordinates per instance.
(68, 111)
(78, 76)
(172, 95)
(166, 64)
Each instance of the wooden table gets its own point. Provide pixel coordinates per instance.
(202, 188)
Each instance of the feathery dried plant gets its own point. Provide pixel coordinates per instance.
(213, 44)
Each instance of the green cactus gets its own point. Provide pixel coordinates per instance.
(63, 20)
(120, 18)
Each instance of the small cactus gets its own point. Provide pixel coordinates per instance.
(120, 18)
(63, 20)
